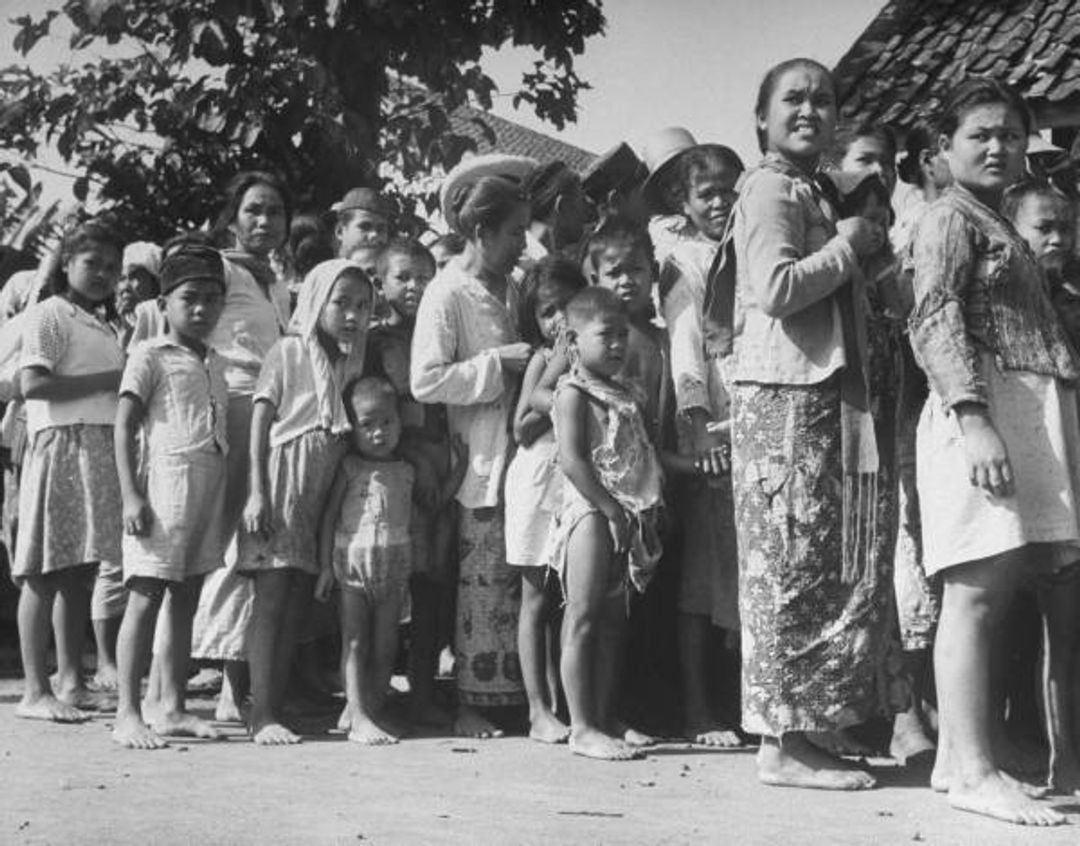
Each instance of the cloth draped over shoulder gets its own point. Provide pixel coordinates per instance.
(305, 362)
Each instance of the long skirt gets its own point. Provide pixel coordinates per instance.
(489, 595)
(819, 647)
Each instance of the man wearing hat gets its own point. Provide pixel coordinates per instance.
(363, 226)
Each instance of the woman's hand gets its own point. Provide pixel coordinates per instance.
(712, 453)
(988, 459)
(865, 236)
(324, 585)
(514, 357)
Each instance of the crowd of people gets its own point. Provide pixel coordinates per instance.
(831, 398)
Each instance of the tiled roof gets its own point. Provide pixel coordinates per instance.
(898, 69)
(508, 137)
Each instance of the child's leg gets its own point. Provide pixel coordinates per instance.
(173, 719)
(533, 651)
(133, 653)
(107, 604)
(588, 593)
(268, 621)
(38, 702)
(301, 593)
(235, 687)
(1058, 603)
(694, 630)
(357, 618)
(72, 610)
(385, 618)
(975, 598)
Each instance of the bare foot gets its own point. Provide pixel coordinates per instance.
(545, 727)
(84, 700)
(48, 707)
(365, 730)
(344, 721)
(633, 737)
(909, 738)
(593, 743)
(273, 734)
(470, 723)
(183, 724)
(799, 763)
(206, 681)
(132, 733)
(716, 737)
(941, 782)
(992, 796)
(104, 680)
(226, 710)
(428, 714)
(839, 743)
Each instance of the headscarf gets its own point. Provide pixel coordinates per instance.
(314, 294)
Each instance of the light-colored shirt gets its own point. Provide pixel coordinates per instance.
(697, 378)
(66, 340)
(250, 324)
(184, 397)
(789, 262)
(458, 325)
(287, 382)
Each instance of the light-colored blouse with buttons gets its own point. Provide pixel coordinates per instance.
(789, 263)
(66, 340)
(183, 395)
(458, 326)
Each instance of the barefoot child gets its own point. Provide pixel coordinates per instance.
(297, 431)
(174, 392)
(998, 439)
(533, 484)
(1047, 221)
(606, 537)
(701, 187)
(69, 499)
(365, 547)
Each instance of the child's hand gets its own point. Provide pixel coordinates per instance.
(257, 515)
(864, 236)
(324, 586)
(137, 516)
(988, 459)
(514, 357)
(619, 527)
(712, 453)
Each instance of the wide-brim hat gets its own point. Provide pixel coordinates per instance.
(659, 153)
(618, 169)
(517, 169)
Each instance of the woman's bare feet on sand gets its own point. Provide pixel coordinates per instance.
(273, 734)
(714, 736)
(796, 762)
(84, 700)
(48, 707)
(545, 727)
(941, 782)
(470, 723)
(104, 681)
(632, 737)
(132, 733)
(183, 724)
(993, 796)
(593, 743)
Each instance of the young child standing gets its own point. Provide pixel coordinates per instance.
(297, 431)
(607, 536)
(174, 393)
(998, 440)
(701, 186)
(366, 548)
(69, 500)
(533, 485)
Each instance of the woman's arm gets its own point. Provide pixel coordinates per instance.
(572, 408)
(129, 416)
(257, 510)
(783, 278)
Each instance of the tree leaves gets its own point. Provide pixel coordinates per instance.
(328, 92)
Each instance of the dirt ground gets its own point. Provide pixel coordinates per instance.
(70, 784)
